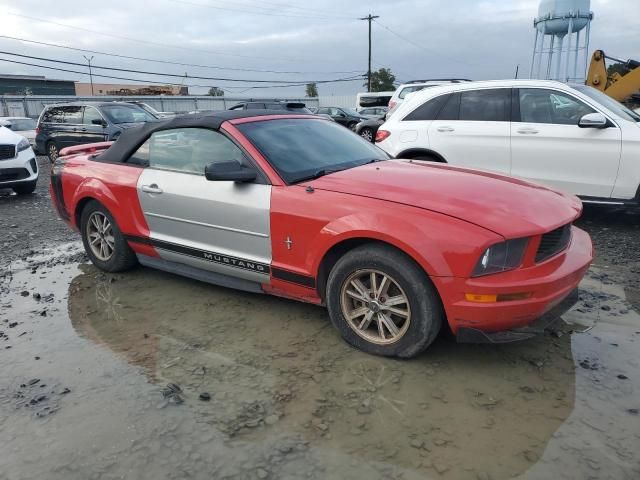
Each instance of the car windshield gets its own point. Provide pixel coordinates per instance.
(22, 124)
(300, 149)
(609, 103)
(126, 114)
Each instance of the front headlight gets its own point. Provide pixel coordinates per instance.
(23, 144)
(501, 257)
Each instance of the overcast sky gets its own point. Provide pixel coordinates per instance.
(456, 38)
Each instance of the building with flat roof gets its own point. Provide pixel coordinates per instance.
(35, 85)
(84, 89)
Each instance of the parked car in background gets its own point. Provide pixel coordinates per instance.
(415, 86)
(344, 116)
(573, 138)
(306, 210)
(152, 110)
(367, 129)
(18, 165)
(374, 112)
(24, 126)
(66, 124)
(285, 106)
(372, 99)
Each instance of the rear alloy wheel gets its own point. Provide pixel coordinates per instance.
(367, 134)
(103, 241)
(52, 152)
(382, 302)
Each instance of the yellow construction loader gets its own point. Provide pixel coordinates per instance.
(623, 88)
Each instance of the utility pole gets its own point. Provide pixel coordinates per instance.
(369, 18)
(88, 59)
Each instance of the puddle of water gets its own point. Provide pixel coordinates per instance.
(289, 399)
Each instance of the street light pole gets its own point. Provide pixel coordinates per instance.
(369, 18)
(88, 59)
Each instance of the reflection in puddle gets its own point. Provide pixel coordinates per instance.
(273, 367)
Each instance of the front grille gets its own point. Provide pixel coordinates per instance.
(7, 151)
(553, 242)
(9, 174)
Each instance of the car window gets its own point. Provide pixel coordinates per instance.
(491, 105)
(368, 111)
(237, 107)
(274, 106)
(72, 114)
(53, 115)
(298, 148)
(451, 109)
(334, 112)
(126, 113)
(187, 150)
(407, 90)
(22, 124)
(90, 114)
(428, 110)
(255, 106)
(539, 105)
(608, 102)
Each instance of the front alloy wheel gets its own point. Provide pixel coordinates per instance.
(382, 302)
(375, 306)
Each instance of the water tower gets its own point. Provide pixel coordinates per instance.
(562, 23)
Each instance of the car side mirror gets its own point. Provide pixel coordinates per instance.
(229, 171)
(593, 120)
(97, 121)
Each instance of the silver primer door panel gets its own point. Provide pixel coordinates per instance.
(215, 225)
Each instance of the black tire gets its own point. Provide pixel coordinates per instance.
(53, 152)
(367, 134)
(26, 188)
(426, 315)
(122, 258)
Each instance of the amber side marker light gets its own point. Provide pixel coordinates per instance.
(488, 298)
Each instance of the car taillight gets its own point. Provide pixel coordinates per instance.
(392, 104)
(381, 135)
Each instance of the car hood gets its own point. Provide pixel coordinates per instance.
(9, 136)
(507, 206)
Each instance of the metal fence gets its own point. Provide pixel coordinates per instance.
(32, 105)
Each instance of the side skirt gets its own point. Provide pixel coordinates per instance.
(199, 274)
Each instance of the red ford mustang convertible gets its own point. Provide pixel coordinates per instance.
(300, 207)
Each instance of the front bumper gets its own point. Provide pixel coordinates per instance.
(19, 170)
(548, 285)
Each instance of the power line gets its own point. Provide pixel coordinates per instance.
(196, 77)
(422, 47)
(167, 62)
(270, 13)
(148, 42)
(156, 82)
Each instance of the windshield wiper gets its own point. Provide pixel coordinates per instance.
(319, 173)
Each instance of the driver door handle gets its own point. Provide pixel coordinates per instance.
(528, 131)
(445, 129)
(153, 188)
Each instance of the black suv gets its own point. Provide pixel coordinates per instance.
(66, 124)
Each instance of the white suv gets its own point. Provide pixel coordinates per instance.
(574, 138)
(415, 86)
(18, 165)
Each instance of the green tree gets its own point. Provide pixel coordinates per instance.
(382, 80)
(216, 92)
(312, 90)
(620, 68)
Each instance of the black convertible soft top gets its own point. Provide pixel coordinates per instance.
(131, 138)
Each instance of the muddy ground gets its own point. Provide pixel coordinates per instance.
(262, 387)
